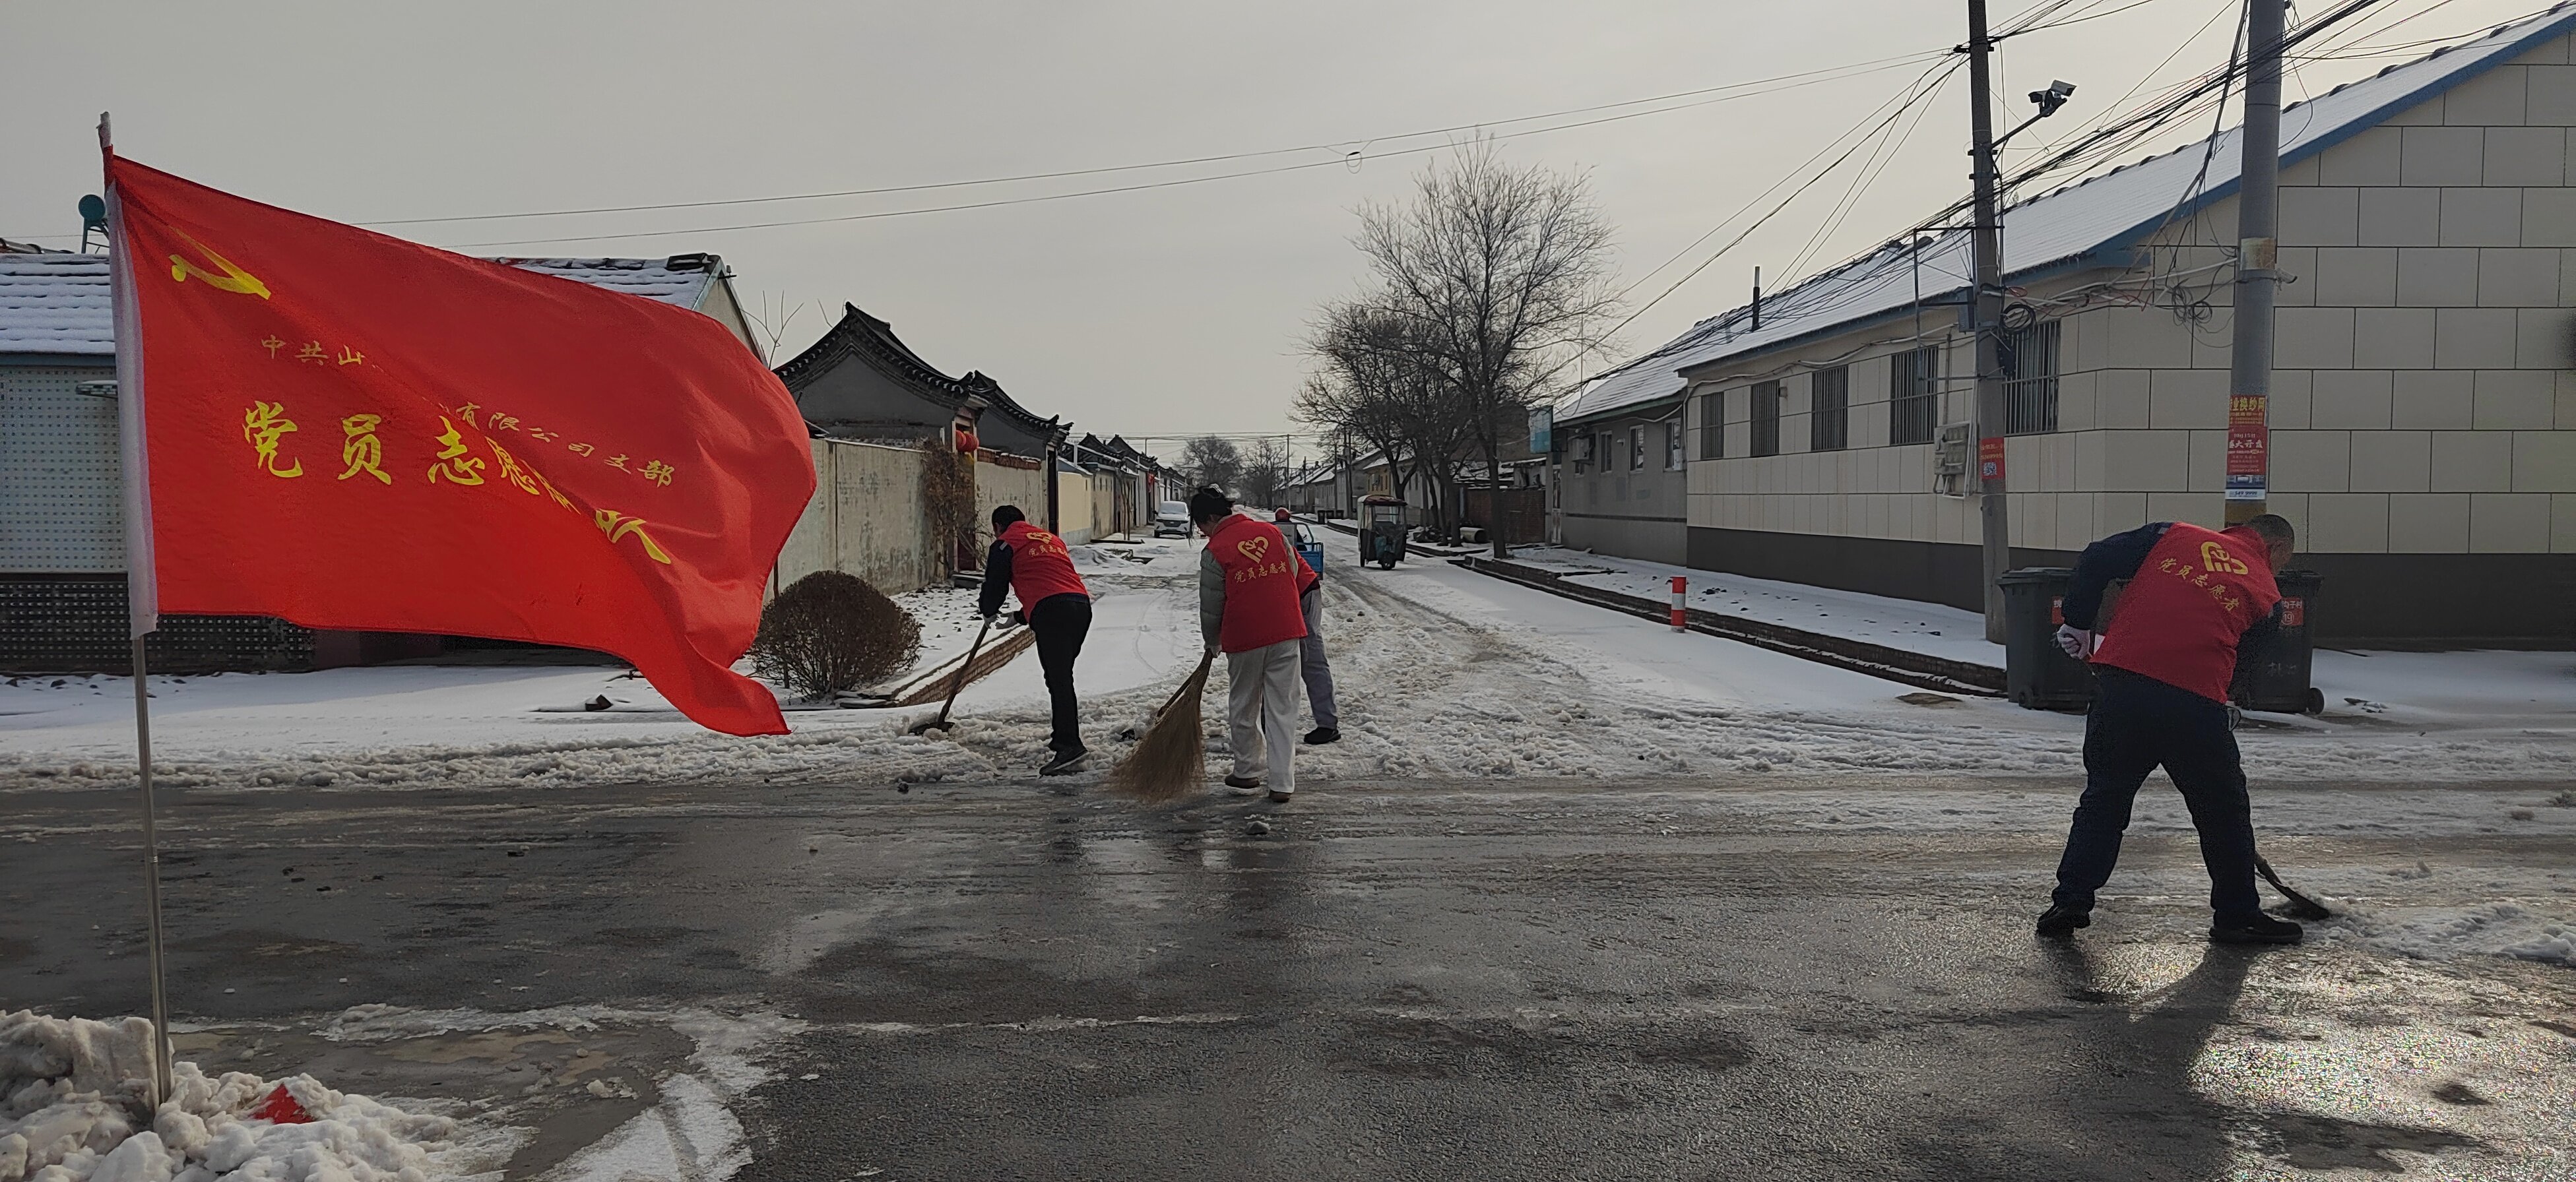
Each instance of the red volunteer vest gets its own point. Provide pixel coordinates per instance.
(1262, 580)
(2188, 605)
(1040, 565)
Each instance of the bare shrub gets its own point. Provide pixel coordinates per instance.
(830, 632)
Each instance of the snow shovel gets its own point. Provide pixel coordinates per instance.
(955, 684)
(2301, 906)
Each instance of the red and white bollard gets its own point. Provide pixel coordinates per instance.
(1681, 604)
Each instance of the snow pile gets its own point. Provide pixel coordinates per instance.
(2445, 933)
(74, 1104)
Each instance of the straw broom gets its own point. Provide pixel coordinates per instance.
(1170, 761)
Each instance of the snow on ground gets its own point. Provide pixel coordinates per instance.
(1442, 672)
(75, 1110)
(2501, 692)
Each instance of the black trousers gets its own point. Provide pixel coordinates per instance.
(2137, 724)
(1061, 621)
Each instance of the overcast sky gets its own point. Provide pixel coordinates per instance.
(1155, 313)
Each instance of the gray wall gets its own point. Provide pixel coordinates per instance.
(1618, 507)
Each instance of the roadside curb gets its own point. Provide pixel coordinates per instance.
(1859, 656)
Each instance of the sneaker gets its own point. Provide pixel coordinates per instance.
(1322, 735)
(1065, 763)
(1243, 785)
(2259, 929)
(2060, 921)
(1282, 797)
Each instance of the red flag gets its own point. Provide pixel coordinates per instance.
(351, 431)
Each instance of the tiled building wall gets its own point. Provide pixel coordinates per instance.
(2424, 397)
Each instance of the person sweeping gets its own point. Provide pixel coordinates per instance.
(1249, 583)
(2194, 596)
(1311, 664)
(1035, 566)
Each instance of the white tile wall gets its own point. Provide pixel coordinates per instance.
(2312, 461)
(2544, 461)
(2513, 278)
(2524, 156)
(2350, 523)
(2436, 156)
(2393, 338)
(2513, 399)
(2186, 398)
(2473, 461)
(2392, 461)
(2363, 276)
(2481, 217)
(2370, 158)
(2473, 338)
(2492, 99)
(2327, 217)
(2431, 398)
(2541, 338)
(2400, 217)
(2350, 399)
(2428, 523)
(2508, 523)
(2562, 523)
(2312, 338)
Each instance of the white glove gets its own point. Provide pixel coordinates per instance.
(2077, 642)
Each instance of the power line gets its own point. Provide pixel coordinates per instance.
(1803, 77)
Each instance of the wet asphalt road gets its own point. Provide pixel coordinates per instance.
(1492, 980)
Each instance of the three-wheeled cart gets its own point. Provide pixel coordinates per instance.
(1382, 528)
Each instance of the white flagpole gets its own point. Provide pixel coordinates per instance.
(142, 588)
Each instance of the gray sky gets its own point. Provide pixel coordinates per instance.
(1160, 312)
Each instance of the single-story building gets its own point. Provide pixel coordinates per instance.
(62, 516)
(2423, 408)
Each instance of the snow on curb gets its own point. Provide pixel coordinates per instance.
(75, 1105)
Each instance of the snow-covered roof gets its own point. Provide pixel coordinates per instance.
(2088, 222)
(57, 303)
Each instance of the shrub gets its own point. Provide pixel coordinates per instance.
(830, 632)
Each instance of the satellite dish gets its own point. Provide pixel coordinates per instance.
(93, 213)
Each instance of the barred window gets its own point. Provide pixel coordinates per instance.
(1766, 418)
(1636, 448)
(1829, 413)
(1913, 395)
(1712, 426)
(1673, 445)
(2028, 357)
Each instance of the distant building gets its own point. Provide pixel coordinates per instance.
(860, 381)
(2423, 409)
(62, 516)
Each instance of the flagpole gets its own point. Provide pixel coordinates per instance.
(142, 589)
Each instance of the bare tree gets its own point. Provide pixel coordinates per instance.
(1379, 384)
(1501, 276)
(1209, 460)
(1265, 470)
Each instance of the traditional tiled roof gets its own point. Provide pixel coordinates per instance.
(859, 334)
(2091, 222)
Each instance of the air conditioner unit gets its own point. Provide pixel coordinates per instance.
(1950, 455)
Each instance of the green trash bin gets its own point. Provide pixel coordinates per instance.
(2273, 675)
(2038, 675)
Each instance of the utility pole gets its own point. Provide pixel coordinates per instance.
(1988, 310)
(2258, 217)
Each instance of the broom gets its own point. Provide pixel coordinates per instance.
(1170, 761)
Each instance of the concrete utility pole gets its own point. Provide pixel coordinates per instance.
(2258, 220)
(1988, 312)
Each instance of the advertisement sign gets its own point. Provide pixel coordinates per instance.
(1990, 459)
(1542, 423)
(2249, 448)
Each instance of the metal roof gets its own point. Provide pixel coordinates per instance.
(2086, 223)
(57, 303)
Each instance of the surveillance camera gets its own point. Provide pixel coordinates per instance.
(2063, 88)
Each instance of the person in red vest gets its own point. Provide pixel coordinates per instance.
(1250, 579)
(1035, 566)
(2163, 670)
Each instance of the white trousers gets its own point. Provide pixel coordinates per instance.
(1261, 712)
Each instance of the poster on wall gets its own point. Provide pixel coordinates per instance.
(2249, 445)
